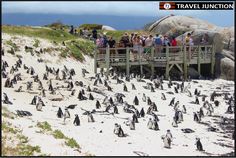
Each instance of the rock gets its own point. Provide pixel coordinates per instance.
(108, 28)
(227, 69)
(193, 73)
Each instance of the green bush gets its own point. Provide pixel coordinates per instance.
(72, 143)
(45, 126)
(58, 134)
(91, 26)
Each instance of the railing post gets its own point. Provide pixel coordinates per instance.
(152, 60)
(185, 63)
(199, 60)
(212, 60)
(95, 61)
(127, 61)
(167, 62)
(107, 60)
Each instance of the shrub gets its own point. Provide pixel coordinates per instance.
(58, 134)
(72, 143)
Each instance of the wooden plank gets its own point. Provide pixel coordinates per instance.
(212, 60)
(179, 67)
(167, 62)
(127, 61)
(152, 61)
(185, 63)
(199, 60)
(107, 59)
(171, 67)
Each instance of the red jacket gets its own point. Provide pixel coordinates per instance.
(173, 42)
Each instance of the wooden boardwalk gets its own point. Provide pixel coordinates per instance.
(165, 57)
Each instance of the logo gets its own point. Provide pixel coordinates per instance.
(167, 6)
(196, 5)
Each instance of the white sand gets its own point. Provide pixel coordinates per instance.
(106, 143)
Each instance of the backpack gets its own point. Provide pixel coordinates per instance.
(158, 41)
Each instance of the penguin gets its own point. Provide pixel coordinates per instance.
(172, 101)
(59, 113)
(163, 97)
(89, 89)
(154, 106)
(136, 101)
(82, 91)
(133, 86)
(216, 102)
(98, 105)
(132, 124)
(125, 88)
(39, 106)
(80, 96)
(152, 89)
(135, 118)
(34, 100)
(174, 123)
(199, 144)
(91, 96)
(120, 131)
(149, 102)
(50, 88)
(155, 125)
(203, 98)
(195, 92)
(201, 113)
(45, 76)
(109, 88)
(7, 83)
(142, 113)
(167, 142)
(115, 109)
(6, 99)
(212, 98)
(150, 123)
(90, 118)
(66, 114)
(197, 101)
(144, 98)
(116, 129)
(111, 101)
(72, 92)
(76, 120)
(19, 89)
(229, 110)
(184, 109)
(176, 90)
(195, 117)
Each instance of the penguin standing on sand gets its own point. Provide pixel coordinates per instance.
(59, 113)
(98, 105)
(76, 120)
(199, 144)
(136, 101)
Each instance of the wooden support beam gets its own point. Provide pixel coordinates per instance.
(107, 59)
(167, 62)
(95, 61)
(179, 67)
(152, 61)
(171, 67)
(185, 63)
(127, 61)
(212, 60)
(199, 60)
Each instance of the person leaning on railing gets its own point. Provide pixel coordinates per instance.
(158, 44)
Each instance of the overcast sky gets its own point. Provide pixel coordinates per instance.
(113, 8)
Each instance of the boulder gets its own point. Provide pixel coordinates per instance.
(193, 73)
(108, 28)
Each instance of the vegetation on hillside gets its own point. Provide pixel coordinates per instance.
(91, 26)
(42, 32)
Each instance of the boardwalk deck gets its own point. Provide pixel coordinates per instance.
(165, 57)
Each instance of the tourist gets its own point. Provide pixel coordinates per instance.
(125, 39)
(94, 34)
(148, 44)
(137, 45)
(166, 43)
(174, 43)
(111, 42)
(158, 43)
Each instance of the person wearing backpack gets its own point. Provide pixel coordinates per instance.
(158, 43)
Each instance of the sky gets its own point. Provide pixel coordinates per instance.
(219, 17)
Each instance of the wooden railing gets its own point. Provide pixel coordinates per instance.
(155, 55)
